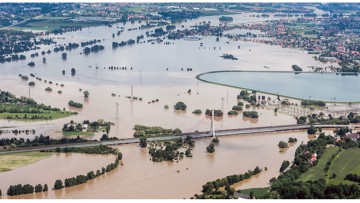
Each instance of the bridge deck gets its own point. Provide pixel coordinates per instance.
(194, 135)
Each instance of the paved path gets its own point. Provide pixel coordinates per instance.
(195, 135)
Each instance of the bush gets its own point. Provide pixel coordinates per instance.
(251, 114)
(210, 148)
(31, 64)
(143, 142)
(75, 104)
(180, 106)
(240, 104)
(217, 113)
(283, 144)
(237, 108)
(31, 83)
(292, 140)
(311, 130)
(231, 113)
(48, 89)
(197, 111)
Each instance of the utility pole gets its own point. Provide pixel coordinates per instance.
(117, 112)
(227, 96)
(132, 94)
(197, 87)
(222, 104)
(141, 77)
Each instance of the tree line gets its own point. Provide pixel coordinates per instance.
(80, 179)
(211, 190)
(25, 189)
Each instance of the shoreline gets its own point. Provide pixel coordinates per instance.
(198, 77)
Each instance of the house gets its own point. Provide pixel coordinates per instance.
(353, 136)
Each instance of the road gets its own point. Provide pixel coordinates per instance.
(194, 135)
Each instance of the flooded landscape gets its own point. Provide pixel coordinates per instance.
(244, 71)
(236, 154)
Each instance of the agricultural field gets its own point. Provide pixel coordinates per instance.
(258, 192)
(347, 161)
(318, 172)
(38, 116)
(10, 162)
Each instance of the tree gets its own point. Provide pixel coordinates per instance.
(38, 188)
(86, 94)
(180, 106)
(64, 56)
(251, 195)
(73, 71)
(143, 142)
(283, 144)
(58, 185)
(284, 165)
(108, 128)
(311, 130)
(45, 189)
(98, 173)
(215, 140)
(210, 148)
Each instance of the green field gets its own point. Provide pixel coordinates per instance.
(68, 134)
(348, 161)
(51, 24)
(9, 162)
(136, 9)
(318, 172)
(345, 162)
(258, 192)
(53, 114)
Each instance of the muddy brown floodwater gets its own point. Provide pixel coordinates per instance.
(140, 178)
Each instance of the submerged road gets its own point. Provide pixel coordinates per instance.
(194, 135)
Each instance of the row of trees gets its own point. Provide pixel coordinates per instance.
(322, 119)
(38, 141)
(142, 131)
(25, 189)
(211, 190)
(80, 179)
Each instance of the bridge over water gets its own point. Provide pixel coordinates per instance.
(194, 135)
